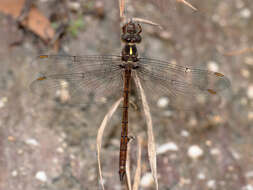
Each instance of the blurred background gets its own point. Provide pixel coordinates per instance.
(45, 146)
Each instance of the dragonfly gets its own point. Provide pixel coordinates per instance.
(99, 76)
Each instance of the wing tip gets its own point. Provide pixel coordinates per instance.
(218, 74)
(41, 78)
(211, 91)
(43, 56)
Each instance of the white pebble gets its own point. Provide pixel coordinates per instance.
(163, 102)
(213, 66)
(185, 133)
(41, 176)
(250, 91)
(184, 181)
(249, 174)
(248, 60)
(201, 176)
(147, 180)
(3, 101)
(250, 115)
(245, 13)
(208, 143)
(33, 142)
(245, 73)
(60, 150)
(236, 155)
(14, 173)
(195, 152)
(211, 184)
(248, 187)
(170, 146)
(215, 151)
(74, 6)
(20, 151)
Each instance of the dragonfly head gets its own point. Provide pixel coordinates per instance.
(131, 32)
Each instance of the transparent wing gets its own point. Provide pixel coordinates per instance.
(184, 86)
(78, 79)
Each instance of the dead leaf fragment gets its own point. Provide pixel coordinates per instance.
(34, 21)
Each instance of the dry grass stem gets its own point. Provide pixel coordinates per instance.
(151, 139)
(100, 135)
(128, 173)
(122, 8)
(144, 21)
(238, 52)
(188, 4)
(137, 176)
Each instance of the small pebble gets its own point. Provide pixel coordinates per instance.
(55, 160)
(170, 146)
(248, 60)
(20, 151)
(41, 176)
(14, 173)
(213, 66)
(195, 152)
(243, 101)
(217, 119)
(192, 122)
(201, 176)
(235, 154)
(163, 102)
(60, 150)
(208, 143)
(33, 142)
(74, 6)
(215, 151)
(248, 187)
(250, 91)
(11, 138)
(245, 73)
(231, 168)
(184, 181)
(245, 13)
(249, 174)
(250, 115)
(147, 180)
(211, 184)
(185, 133)
(165, 35)
(3, 101)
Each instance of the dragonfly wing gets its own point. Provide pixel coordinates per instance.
(184, 86)
(78, 79)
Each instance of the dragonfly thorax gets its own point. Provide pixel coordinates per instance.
(130, 53)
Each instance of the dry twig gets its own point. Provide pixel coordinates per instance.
(188, 4)
(238, 52)
(151, 139)
(137, 176)
(100, 135)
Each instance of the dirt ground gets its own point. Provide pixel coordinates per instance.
(45, 146)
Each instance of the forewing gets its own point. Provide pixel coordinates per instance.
(78, 79)
(184, 86)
